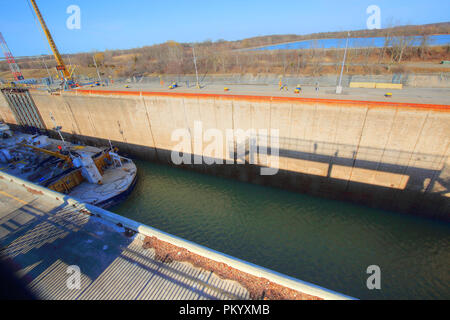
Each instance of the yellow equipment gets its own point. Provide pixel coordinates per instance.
(51, 153)
(61, 66)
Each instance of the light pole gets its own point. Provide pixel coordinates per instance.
(195, 64)
(339, 87)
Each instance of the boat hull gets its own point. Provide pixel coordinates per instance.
(118, 198)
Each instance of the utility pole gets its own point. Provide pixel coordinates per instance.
(339, 87)
(195, 64)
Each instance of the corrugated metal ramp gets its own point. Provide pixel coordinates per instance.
(44, 238)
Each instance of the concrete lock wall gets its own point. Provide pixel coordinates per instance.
(386, 155)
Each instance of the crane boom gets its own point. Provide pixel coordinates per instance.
(51, 153)
(61, 66)
(10, 59)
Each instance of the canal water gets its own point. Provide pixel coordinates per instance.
(325, 242)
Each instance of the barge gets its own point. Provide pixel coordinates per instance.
(98, 176)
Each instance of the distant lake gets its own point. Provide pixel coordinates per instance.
(375, 42)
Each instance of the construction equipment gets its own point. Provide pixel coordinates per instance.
(49, 152)
(10, 59)
(61, 67)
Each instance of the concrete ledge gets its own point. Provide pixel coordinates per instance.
(147, 231)
(369, 85)
(274, 99)
(395, 86)
(375, 85)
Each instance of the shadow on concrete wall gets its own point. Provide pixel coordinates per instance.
(414, 194)
(392, 161)
(403, 187)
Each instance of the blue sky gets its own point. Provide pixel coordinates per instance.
(124, 24)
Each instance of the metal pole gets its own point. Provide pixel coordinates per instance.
(57, 129)
(72, 72)
(195, 64)
(96, 68)
(46, 67)
(339, 87)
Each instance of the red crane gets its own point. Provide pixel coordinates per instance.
(10, 59)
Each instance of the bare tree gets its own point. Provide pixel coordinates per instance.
(399, 45)
(424, 44)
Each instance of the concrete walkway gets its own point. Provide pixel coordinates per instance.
(407, 95)
(43, 238)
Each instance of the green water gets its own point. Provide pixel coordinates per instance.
(325, 242)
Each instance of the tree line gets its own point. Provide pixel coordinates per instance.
(227, 57)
